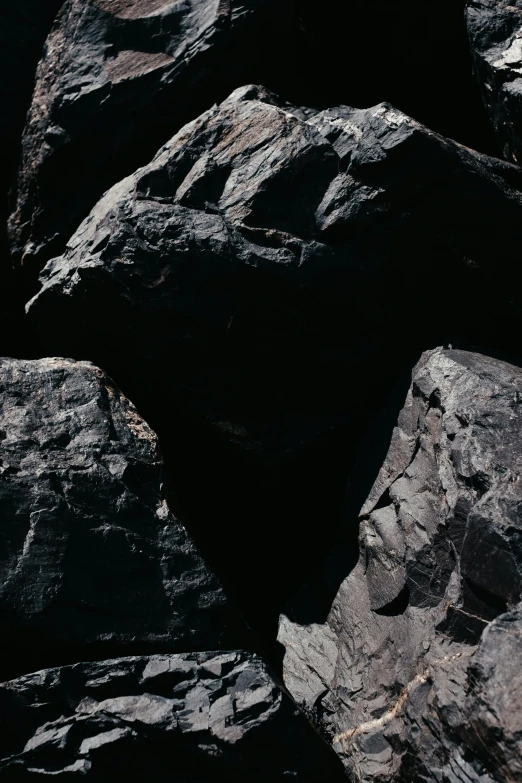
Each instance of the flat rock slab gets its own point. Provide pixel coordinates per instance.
(495, 34)
(117, 79)
(92, 561)
(192, 718)
(391, 672)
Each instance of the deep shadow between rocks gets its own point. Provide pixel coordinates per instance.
(410, 54)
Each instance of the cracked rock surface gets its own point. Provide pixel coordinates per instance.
(92, 561)
(495, 34)
(404, 669)
(117, 79)
(193, 718)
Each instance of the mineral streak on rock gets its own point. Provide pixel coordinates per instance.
(116, 81)
(194, 718)
(401, 672)
(92, 561)
(495, 34)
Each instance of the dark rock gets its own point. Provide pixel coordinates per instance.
(192, 718)
(118, 78)
(495, 30)
(92, 561)
(24, 25)
(412, 54)
(261, 275)
(391, 674)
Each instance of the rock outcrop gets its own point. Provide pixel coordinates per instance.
(236, 271)
(192, 718)
(92, 561)
(408, 673)
(495, 34)
(117, 79)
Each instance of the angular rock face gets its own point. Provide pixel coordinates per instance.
(495, 34)
(190, 718)
(237, 270)
(117, 80)
(390, 670)
(92, 561)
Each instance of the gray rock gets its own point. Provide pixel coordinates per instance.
(495, 34)
(193, 718)
(117, 79)
(92, 561)
(391, 674)
(250, 276)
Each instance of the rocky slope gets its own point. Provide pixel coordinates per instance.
(92, 561)
(400, 673)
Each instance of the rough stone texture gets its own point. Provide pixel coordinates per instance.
(264, 271)
(92, 561)
(389, 668)
(495, 33)
(116, 81)
(190, 718)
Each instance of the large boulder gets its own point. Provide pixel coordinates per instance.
(92, 561)
(191, 718)
(262, 275)
(117, 79)
(384, 656)
(494, 29)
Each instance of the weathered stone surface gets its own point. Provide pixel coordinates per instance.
(92, 561)
(261, 275)
(495, 33)
(191, 718)
(390, 669)
(117, 80)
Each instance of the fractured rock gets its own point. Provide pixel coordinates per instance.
(261, 274)
(495, 35)
(392, 673)
(192, 718)
(116, 81)
(92, 561)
